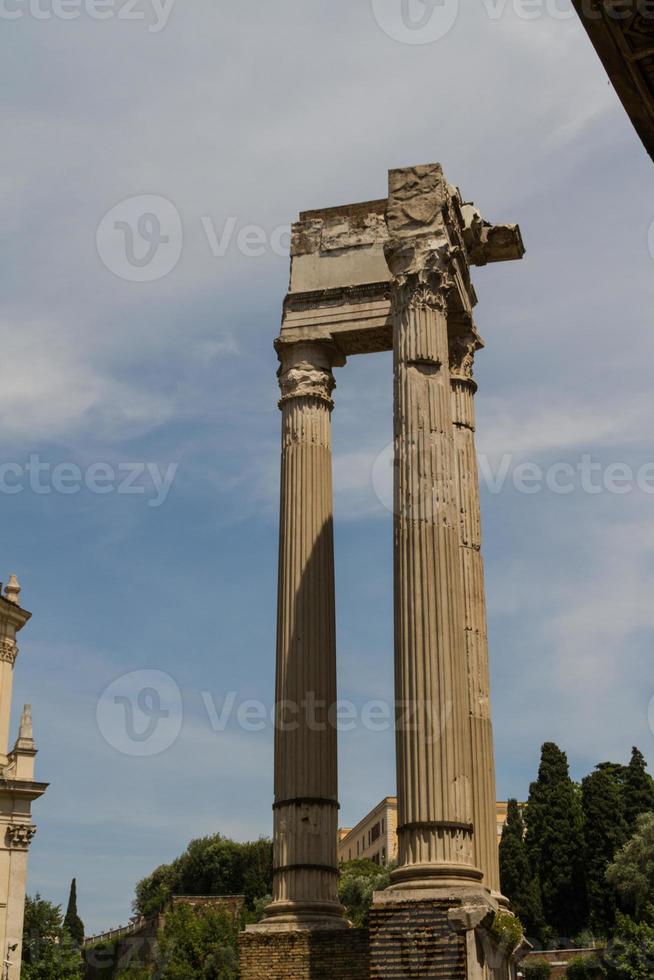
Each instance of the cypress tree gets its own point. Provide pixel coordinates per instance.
(638, 790)
(517, 881)
(72, 922)
(555, 844)
(605, 832)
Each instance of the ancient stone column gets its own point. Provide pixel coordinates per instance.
(462, 352)
(433, 756)
(306, 790)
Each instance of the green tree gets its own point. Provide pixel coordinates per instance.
(48, 950)
(360, 879)
(72, 922)
(210, 866)
(638, 790)
(555, 844)
(517, 881)
(631, 953)
(198, 944)
(605, 832)
(632, 871)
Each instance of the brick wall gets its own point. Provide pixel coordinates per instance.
(341, 955)
(414, 940)
(560, 959)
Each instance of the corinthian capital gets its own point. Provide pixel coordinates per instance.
(419, 291)
(462, 357)
(464, 342)
(306, 372)
(8, 650)
(20, 835)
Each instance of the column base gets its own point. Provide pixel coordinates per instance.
(308, 917)
(305, 955)
(429, 877)
(446, 936)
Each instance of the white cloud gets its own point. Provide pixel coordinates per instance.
(50, 389)
(534, 428)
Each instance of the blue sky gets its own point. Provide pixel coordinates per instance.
(252, 112)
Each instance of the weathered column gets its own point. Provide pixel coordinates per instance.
(306, 790)
(434, 780)
(462, 353)
(426, 923)
(433, 759)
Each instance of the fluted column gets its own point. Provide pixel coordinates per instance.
(433, 752)
(306, 790)
(462, 352)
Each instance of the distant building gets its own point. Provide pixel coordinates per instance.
(375, 837)
(18, 789)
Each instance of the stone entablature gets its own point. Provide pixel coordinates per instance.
(340, 279)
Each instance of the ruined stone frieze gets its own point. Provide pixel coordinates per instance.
(345, 260)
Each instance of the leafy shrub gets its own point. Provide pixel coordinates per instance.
(537, 970)
(585, 968)
(198, 944)
(507, 931)
(359, 881)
